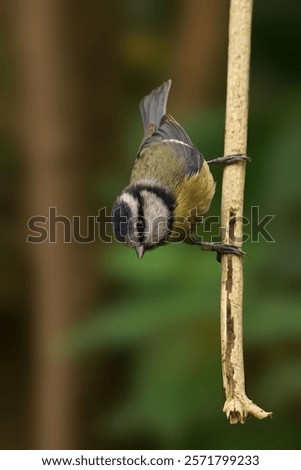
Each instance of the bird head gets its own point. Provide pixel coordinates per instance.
(142, 216)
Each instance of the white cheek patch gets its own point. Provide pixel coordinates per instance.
(156, 215)
(131, 202)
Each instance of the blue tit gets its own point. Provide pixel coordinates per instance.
(171, 186)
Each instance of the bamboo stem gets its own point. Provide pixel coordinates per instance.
(237, 406)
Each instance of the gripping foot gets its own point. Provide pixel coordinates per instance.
(222, 249)
(229, 159)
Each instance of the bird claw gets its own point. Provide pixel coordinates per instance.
(226, 249)
(222, 249)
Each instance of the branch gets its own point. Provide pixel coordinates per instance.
(237, 406)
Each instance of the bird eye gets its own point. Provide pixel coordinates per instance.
(139, 225)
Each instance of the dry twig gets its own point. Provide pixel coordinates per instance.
(237, 406)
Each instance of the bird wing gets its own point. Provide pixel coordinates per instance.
(171, 133)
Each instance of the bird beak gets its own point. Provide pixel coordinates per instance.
(140, 251)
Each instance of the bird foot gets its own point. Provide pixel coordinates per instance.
(222, 249)
(229, 159)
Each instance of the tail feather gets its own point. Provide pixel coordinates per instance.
(153, 106)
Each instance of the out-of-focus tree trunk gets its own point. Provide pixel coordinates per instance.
(199, 47)
(54, 175)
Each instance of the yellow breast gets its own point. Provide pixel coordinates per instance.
(193, 197)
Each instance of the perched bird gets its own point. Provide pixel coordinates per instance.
(171, 186)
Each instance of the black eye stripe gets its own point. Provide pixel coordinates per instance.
(140, 205)
(140, 221)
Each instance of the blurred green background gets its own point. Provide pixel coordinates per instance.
(99, 349)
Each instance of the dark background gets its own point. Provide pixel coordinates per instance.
(99, 349)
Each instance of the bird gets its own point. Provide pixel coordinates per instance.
(171, 186)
